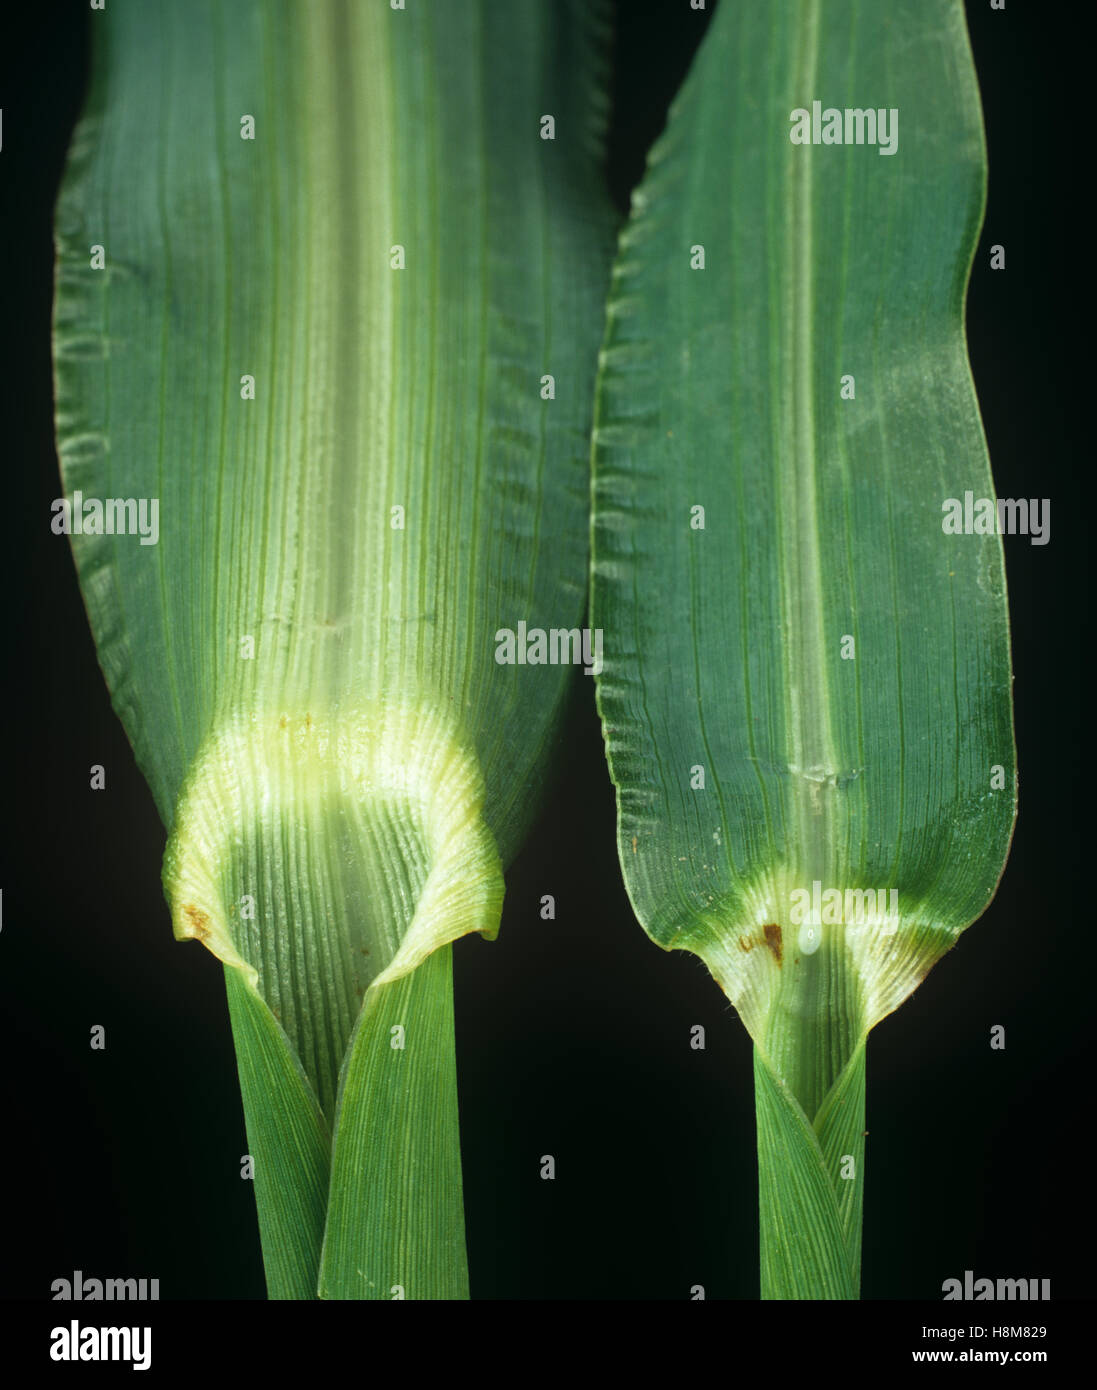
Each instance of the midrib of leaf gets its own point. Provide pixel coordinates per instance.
(810, 1058)
(810, 740)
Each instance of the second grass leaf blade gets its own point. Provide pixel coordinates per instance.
(806, 688)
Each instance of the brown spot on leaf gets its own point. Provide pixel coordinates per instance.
(283, 722)
(773, 940)
(745, 943)
(199, 922)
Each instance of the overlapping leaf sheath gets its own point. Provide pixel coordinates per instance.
(806, 689)
(337, 262)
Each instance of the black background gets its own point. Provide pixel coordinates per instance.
(573, 1035)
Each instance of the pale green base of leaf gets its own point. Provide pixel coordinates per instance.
(356, 844)
(288, 1141)
(396, 1225)
(809, 1214)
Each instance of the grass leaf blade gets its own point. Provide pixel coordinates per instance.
(317, 271)
(807, 687)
